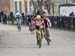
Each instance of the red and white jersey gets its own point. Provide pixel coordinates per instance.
(40, 23)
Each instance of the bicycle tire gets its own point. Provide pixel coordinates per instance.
(39, 39)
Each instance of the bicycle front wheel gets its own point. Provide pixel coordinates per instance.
(39, 38)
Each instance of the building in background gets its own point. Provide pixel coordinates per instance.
(23, 6)
(28, 6)
(5, 6)
(55, 5)
(17, 5)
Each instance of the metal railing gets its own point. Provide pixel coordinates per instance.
(57, 21)
(63, 22)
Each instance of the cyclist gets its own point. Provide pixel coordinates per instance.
(47, 25)
(19, 20)
(38, 23)
(30, 22)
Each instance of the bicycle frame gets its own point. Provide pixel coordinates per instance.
(39, 36)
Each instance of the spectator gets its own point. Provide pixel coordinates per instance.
(12, 17)
(5, 19)
(1, 15)
(23, 21)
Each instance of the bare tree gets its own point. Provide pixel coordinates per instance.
(39, 3)
(48, 5)
(38, 6)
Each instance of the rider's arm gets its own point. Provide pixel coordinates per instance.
(49, 22)
(33, 24)
(42, 24)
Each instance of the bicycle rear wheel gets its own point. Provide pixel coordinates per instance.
(19, 27)
(47, 36)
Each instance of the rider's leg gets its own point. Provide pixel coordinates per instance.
(37, 38)
(19, 25)
(47, 35)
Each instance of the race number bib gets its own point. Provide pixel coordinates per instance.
(38, 23)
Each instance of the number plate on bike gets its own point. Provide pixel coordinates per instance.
(38, 23)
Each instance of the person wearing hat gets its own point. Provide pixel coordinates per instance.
(47, 25)
(19, 20)
(38, 23)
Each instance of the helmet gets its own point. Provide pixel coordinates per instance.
(38, 17)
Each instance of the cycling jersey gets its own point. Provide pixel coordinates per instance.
(47, 22)
(38, 23)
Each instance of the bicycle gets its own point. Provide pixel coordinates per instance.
(19, 25)
(39, 37)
